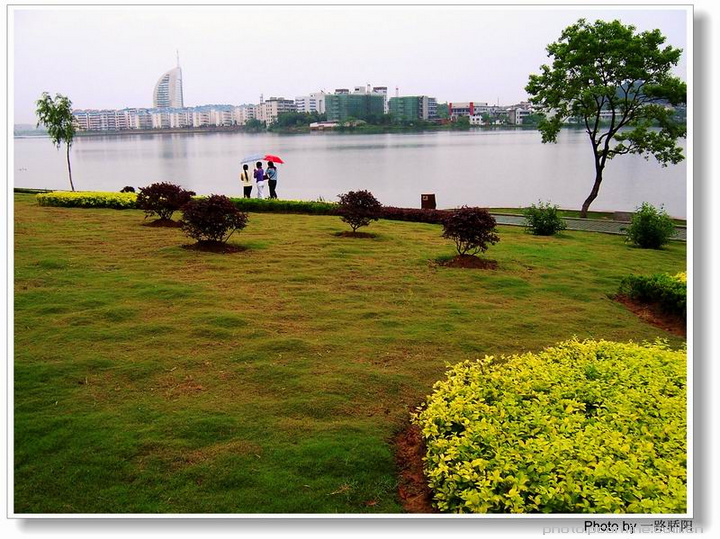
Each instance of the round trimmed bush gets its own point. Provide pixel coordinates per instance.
(472, 230)
(358, 208)
(650, 228)
(162, 199)
(543, 219)
(212, 219)
(581, 427)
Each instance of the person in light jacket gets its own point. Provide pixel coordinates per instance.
(246, 181)
(259, 179)
(272, 178)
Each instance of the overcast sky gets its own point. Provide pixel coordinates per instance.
(112, 57)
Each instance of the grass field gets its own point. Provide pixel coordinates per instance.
(151, 378)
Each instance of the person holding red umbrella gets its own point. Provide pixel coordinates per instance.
(272, 175)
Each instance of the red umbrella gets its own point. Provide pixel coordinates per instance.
(273, 158)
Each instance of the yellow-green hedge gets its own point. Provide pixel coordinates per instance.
(582, 427)
(87, 199)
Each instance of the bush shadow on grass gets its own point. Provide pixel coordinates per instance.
(350, 234)
(217, 247)
(162, 223)
(466, 262)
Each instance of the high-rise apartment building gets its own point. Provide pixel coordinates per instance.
(168, 91)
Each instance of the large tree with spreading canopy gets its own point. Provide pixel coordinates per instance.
(619, 85)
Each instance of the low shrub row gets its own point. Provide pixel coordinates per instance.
(581, 427)
(667, 291)
(414, 215)
(274, 205)
(88, 199)
(259, 205)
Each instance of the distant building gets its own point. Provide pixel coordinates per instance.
(161, 118)
(108, 120)
(181, 118)
(307, 103)
(168, 91)
(319, 98)
(243, 113)
(268, 110)
(81, 119)
(139, 118)
(517, 113)
(468, 108)
(221, 117)
(315, 102)
(360, 106)
(382, 90)
(414, 107)
(321, 126)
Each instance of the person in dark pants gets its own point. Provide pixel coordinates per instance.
(246, 181)
(272, 178)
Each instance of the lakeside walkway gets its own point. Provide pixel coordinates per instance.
(591, 225)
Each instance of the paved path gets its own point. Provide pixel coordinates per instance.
(594, 225)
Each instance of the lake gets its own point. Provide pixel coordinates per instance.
(493, 168)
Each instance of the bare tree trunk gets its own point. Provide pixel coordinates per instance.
(599, 166)
(69, 169)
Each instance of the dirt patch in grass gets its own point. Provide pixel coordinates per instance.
(469, 262)
(653, 314)
(413, 490)
(215, 247)
(350, 234)
(163, 223)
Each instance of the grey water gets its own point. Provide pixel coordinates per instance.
(491, 168)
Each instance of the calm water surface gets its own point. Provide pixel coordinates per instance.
(496, 168)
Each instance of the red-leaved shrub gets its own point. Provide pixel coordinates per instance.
(212, 219)
(358, 208)
(162, 199)
(472, 230)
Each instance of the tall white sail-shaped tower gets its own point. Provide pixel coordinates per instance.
(168, 90)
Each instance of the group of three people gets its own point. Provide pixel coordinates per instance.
(260, 176)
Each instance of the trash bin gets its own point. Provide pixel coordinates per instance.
(427, 201)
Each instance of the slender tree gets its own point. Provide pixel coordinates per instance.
(618, 84)
(56, 116)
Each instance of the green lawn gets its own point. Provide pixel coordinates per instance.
(151, 378)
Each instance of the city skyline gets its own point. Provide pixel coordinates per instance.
(298, 51)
